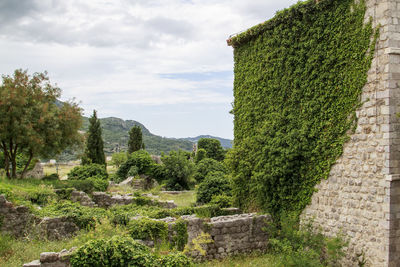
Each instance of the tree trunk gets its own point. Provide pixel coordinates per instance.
(27, 164)
(6, 159)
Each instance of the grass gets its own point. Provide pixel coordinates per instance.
(14, 252)
(250, 260)
(184, 199)
(63, 169)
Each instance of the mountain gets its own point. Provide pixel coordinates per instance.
(116, 136)
(225, 143)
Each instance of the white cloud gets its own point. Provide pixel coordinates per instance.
(108, 53)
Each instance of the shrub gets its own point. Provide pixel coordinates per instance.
(141, 159)
(180, 238)
(148, 229)
(201, 154)
(206, 166)
(64, 193)
(222, 201)
(99, 184)
(85, 171)
(215, 183)
(178, 170)
(212, 147)
(175, 259)
(118, 158)
(51, 177)
(83, 217)
(304, 246)
(158, 173)
(86, 186)
(133, 171)
(118, 251)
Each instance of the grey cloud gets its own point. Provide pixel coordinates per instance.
(12, 10)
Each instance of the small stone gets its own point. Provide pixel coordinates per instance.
(48, 257)
(35, 263)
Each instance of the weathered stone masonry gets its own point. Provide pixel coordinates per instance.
(229, 234)
(361, 197)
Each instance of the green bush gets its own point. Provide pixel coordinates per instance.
(83, 217)
(86, 171)
(64, 193)
(175, 259)
(39, 194)
(215, 183)
(133, 171)
(206, 166)
(141, 159)
(148, 229)
(212, 147)
(158, 173)
(119, 251)
(180, 238)
(222, 201)
(86, 186)
(178, 170)
(99, 184)
(200, 155)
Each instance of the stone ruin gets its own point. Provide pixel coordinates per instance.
(229, 235)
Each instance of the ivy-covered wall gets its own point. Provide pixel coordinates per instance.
(298, 81)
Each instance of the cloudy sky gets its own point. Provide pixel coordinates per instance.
(164, 63)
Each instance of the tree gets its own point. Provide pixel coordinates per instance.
(135, 139)
(94, 152)
(30, 121)
(178, 170)
(212, 147)
(118, 158)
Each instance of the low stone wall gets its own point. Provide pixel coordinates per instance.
(52, 259)
(15, 221)
(82, 198)
(229, 235)
(57, 228)
(19, 221)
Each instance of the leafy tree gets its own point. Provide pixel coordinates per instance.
(201, 154)
(215, 183)
(212, 147)
(119, 158)
(30, 121)
(94, 152)
(178, 170)
(141, 159)
(135, 139)
(206, 166)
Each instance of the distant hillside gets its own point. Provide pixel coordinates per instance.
(116, 136)
(225, 143)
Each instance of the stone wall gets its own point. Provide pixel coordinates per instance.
(15, 221)
(230, 235)
(361, 197)
(18, 221)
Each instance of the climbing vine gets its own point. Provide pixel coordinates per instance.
(298, 81)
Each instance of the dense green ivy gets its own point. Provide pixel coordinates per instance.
(298, 80)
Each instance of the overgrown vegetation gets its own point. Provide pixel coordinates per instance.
(298, 80)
